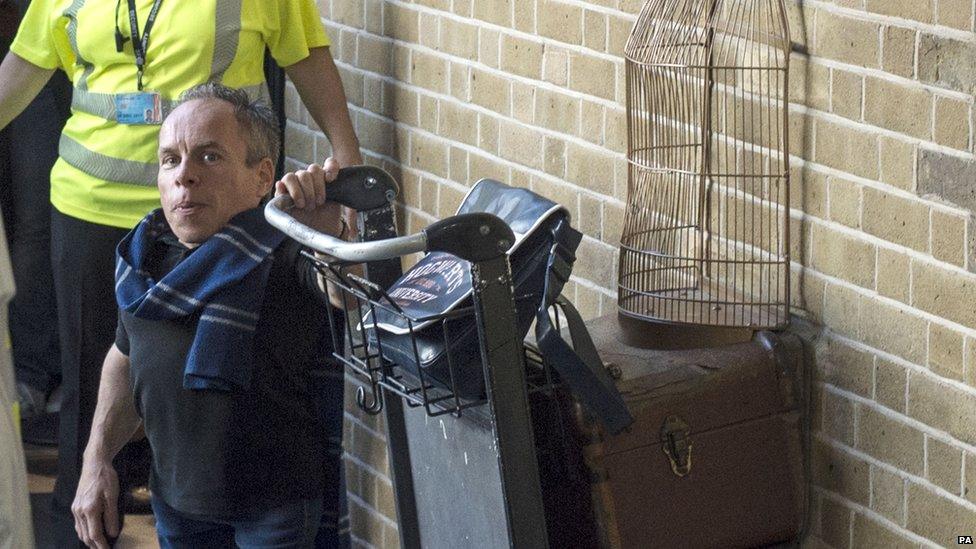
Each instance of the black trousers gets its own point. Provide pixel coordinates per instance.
(83, 255)
(28, 149)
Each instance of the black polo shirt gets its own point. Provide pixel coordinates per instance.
(220, 454)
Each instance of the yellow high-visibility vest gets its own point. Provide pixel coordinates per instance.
(106, 171)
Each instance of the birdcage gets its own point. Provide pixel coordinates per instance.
(706, 233)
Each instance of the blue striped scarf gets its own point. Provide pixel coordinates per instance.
(223, 281)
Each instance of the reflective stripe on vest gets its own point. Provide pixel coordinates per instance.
(72, 14)
(107, 167)
(103, 104)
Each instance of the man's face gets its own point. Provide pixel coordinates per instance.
(204, 179)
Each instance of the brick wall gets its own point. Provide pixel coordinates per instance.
(531, 92)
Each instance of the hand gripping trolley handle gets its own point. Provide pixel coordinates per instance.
(464, 470)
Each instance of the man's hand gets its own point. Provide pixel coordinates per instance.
(308, 189)
(96, 504)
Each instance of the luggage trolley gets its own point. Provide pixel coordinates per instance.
(464, 470)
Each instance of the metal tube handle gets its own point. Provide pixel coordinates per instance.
(276, 212)
(474, 237)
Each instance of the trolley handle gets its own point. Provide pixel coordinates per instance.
(474, 237)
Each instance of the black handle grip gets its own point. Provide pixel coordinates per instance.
(473, 236)
(362, 188)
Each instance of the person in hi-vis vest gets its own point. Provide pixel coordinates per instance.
(128, 61)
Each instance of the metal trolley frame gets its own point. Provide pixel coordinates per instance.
(464, 471)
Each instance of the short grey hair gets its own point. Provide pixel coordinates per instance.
(257, 120)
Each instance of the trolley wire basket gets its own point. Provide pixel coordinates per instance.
(369, 359)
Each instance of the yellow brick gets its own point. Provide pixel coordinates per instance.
(944, 465)
(846, 94)
(845, 367)
(428, 71)
(589, 168)
(848, 149)
(866, 532)
(899, 51)
(430, 35)
(839, 471)
(847, 40)
(898, 108)
(490, 91)
(945, 294)
(843, 256)
(890, 381)
(555, 157)
(590, 218)
(890, 328)
(429, 107)
(523, 102)
(838, 418)
(520, 144)
(557, 111)
(461, 81)
(498, 12)
(937, 518)
(450, 199)
(428, 155)
(374, 54)
(845, 202)
(561, 21)
(374, 16)
(459, 166)
(952, 119)
(591, 75)
(835, 523)
(957, 14)
(480, 167)
(894, 274)
(591, 123)
(616, 130)
(969, 490)
(525, 17)
(405, 106)
(809, 191)
(895, 219)
(522, 57)
(945, 352)
(897, 163)
(457, 123)
(916, 10)
(487, 133)
(887, 494)
(891, 441)
(841, 310)
(348, 13)
(555, 66)
(488, 42)
(943, 407)
(595, 30)
(400, 22)
(949, 238)
(459, 38)
(620, 30)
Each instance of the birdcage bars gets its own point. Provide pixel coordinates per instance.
(706, 232)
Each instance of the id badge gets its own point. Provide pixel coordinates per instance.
(139, 108)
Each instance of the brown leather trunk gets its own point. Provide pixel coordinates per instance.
(713, 458)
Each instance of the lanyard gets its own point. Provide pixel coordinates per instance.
(140, 46)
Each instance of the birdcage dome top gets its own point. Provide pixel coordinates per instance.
(676, 33)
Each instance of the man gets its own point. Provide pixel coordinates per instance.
(222, 325)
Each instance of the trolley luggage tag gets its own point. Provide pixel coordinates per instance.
(139, 108)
